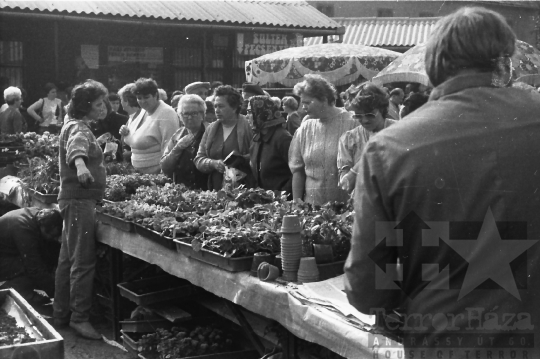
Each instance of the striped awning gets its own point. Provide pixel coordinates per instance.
(284, 14)
(382, 31)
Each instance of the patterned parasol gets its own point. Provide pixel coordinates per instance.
(410, 67)
(339, 63)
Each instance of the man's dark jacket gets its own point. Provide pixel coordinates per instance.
(471, 154)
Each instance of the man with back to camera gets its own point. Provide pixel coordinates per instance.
(447, 206)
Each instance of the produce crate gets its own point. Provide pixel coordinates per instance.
(154, 236)
(241, 351)
(240, 264)
(49, 344)
(157, 289)
(145, 325)
(43, 198)
(116, 222)
(330, 270)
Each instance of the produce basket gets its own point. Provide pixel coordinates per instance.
(43, 198)
(240, 264)
(330, 270)
(116, 222)
(154, 236)
(157, 289)
(48, 344)
(145, 325)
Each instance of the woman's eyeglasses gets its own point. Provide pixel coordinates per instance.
(190, 114)
(360, 116)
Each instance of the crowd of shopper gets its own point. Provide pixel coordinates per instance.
(468, 151)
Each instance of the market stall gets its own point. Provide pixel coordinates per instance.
(211, 239)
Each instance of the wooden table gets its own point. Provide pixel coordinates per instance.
(269, 299)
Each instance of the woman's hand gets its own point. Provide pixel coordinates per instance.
(83, 173)
(218, 165)
(124, 130)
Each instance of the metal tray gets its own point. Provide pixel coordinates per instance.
(240, 264)
(160, 289)
(49, 344)
(116, 222)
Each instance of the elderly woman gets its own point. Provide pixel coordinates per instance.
(177, 161)
(230, 133)
(82, 184)
(149, 133)
(48, 111)
(11, 120)
(313, 152)
(269, 153)
(459, 177)
(371, 109)
(290, 106)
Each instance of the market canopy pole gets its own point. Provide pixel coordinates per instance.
(411, 66)
(339, 63)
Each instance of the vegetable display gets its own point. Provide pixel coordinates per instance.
(10, 333)
(181, 342)
(234, 223)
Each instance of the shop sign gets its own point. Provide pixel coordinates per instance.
(134, 54)
(256, 43)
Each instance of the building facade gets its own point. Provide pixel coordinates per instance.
(175, 43)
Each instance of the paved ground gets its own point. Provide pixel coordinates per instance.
(76, 347)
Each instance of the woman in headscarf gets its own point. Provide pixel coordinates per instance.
(269, 153)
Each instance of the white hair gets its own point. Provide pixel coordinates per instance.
(12, 92)
(162, 95)
(191, 99)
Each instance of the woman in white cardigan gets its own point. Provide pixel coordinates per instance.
(149, 132)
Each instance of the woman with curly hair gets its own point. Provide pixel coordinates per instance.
(230, 133)
(82, 184)
(314, 148)
(269, 153)
(371, 109)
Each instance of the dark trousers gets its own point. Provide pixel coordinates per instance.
(76, 265)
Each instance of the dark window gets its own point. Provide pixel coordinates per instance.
(427, 14)
(328, 10)
(11, 62)
(385, 13)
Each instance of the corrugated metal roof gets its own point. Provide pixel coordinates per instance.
(251, 12)
(382, 31)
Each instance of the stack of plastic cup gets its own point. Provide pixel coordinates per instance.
(291, 247)
(308, 271)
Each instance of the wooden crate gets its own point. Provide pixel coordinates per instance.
(49, 344)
